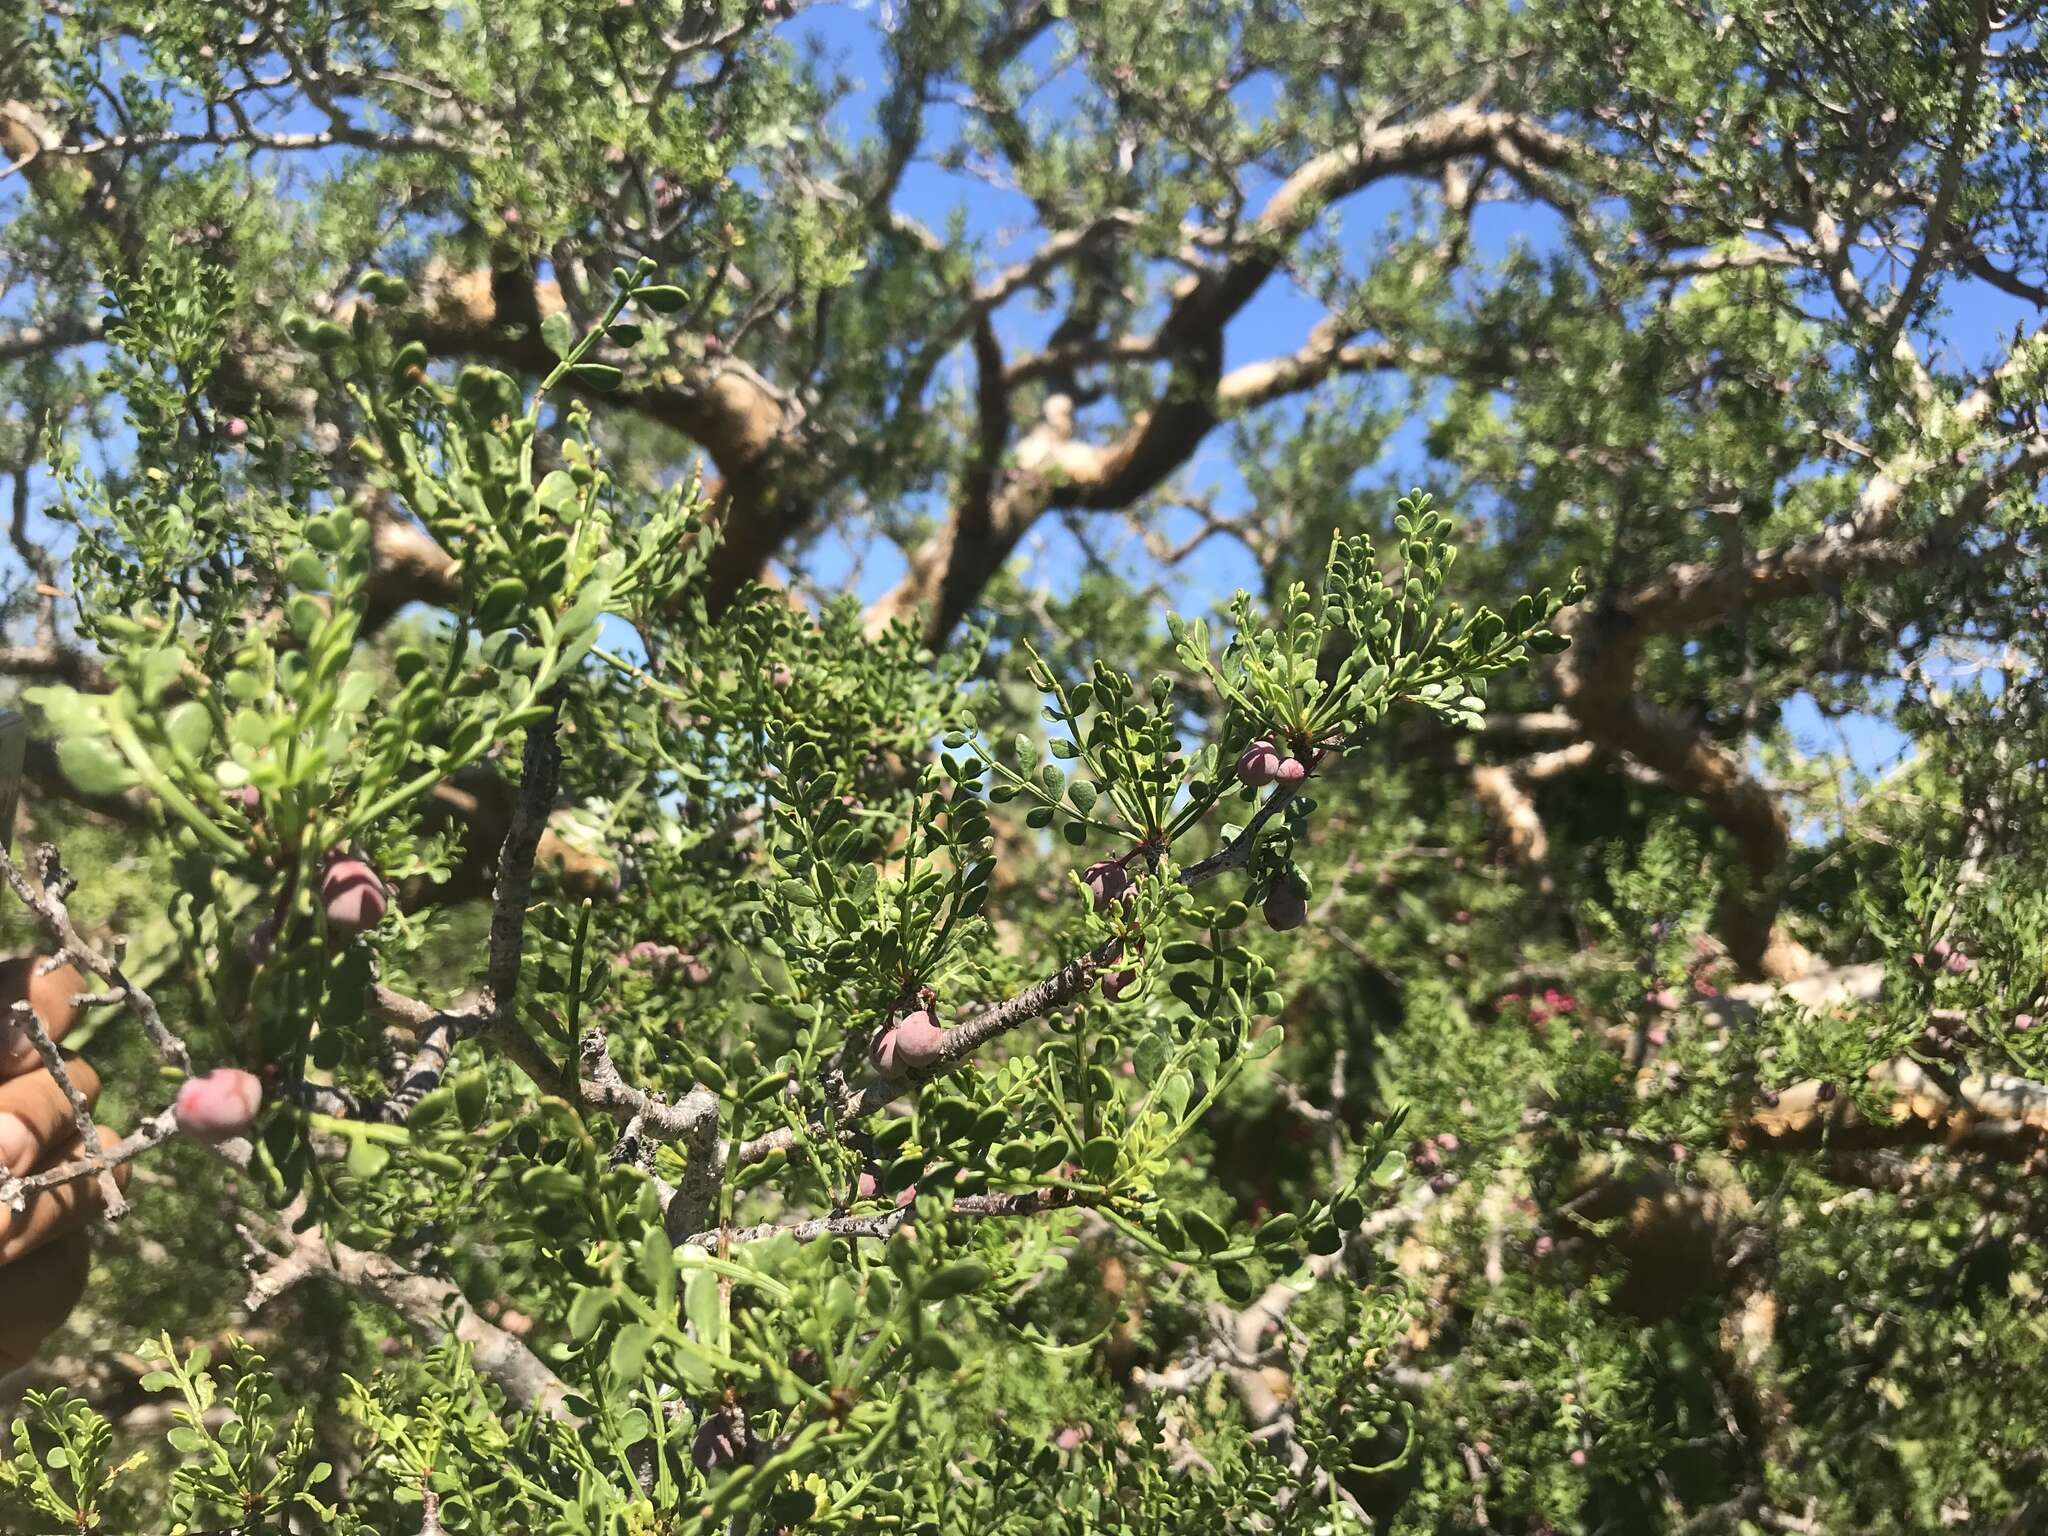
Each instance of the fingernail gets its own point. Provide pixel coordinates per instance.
(17, 1143)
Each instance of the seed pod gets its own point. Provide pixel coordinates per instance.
(219, 1106)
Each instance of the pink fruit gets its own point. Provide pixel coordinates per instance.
(1664, 999)
(1116, 983)
(865, 1186)
(780, 677)
(1578, 1458)
(1286, 905)
(1543, 1246)
(1257, 764)
(1070, 1437)
(237, 429)
(1448, 1140)
(1109, 881)
(1290, 772)
(2023, 1021)
(218, 1106)
(354, 896)
(695, 972)
(1957, 963)
(248, 799)
(912, 1041)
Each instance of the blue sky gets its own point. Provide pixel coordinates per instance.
(1002, 223)
(1977, 327)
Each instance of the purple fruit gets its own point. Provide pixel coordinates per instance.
(1257, 764)
(1286, 905)
(1108, 880)
(353, 895)
(1116, 983)
(911, 1041)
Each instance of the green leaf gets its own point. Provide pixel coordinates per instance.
(587, 1311)
(307, 571)
(188, 728)
(557, 491)
(629, 1351)
(1204, 1232)
(598, 376)
(161, 668)
(557, 333)
(702, 1306)
(662, 298)
(93, 766)
(472, 1097)
(366, 1158)
(955, 1279)
(501, 604)
(658, 1268)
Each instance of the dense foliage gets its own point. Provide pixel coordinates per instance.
(621, 611)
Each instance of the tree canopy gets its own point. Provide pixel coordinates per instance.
(626, 606)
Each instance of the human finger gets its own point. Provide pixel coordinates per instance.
(48, 993)
(61, 1209)
(35, 1113)
(38, 1293)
